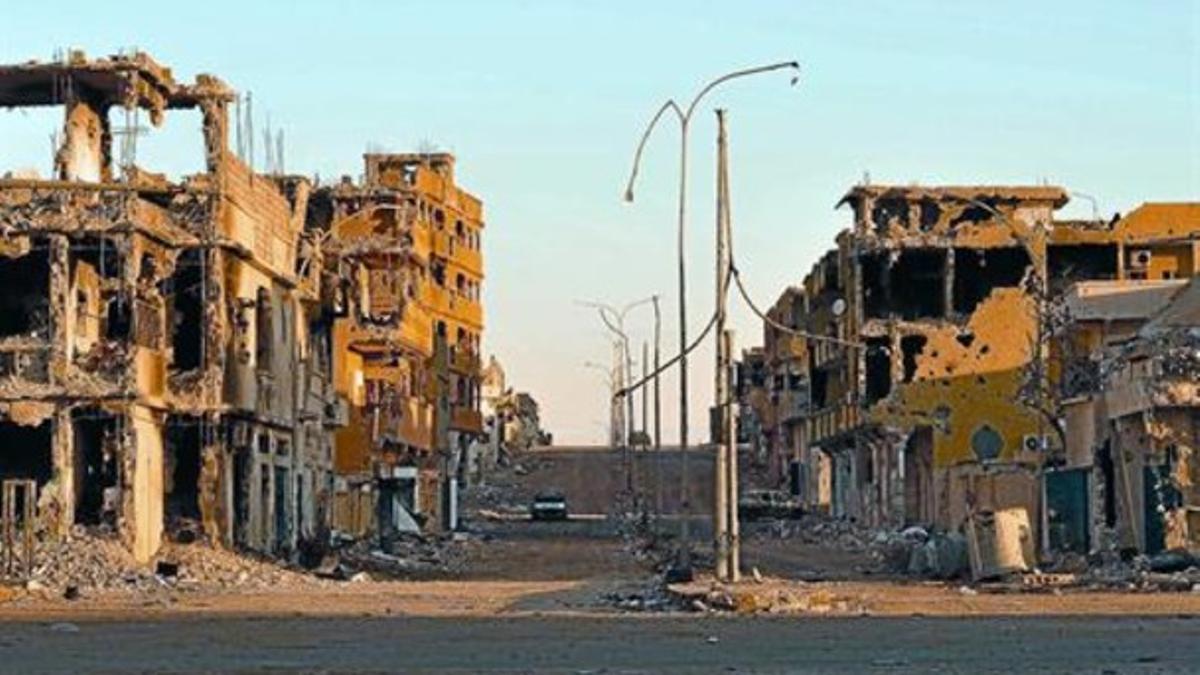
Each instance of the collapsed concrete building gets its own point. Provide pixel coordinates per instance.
(404, 248)
(924, 384)
(1130, 363)
(164, 351)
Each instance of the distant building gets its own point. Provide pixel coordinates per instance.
(407, 341)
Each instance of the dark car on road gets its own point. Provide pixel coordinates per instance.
(548, 506)
(768, 504)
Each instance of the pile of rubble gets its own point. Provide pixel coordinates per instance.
(96, 560)
(399, 556)
(824, 531)
(1169, 571)
(917, 552)
(760, 598)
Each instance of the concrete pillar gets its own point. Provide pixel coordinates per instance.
(146, 521)
(63, 457)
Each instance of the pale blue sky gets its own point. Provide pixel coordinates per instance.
(543, 103)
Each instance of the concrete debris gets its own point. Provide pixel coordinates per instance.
(756, 599)
(401, 556)
(96, 561)
(653, 598)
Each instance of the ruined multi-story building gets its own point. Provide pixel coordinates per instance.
(932, 382)
(164, 359)
(407, 344)
(1128, 358)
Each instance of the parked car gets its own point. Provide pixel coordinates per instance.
(764, 504)
(548, 506)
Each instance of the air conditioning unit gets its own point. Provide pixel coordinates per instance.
(1139, 259)
(1035, 443)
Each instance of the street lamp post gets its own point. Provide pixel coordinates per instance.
(616, 324)
(684, 118)
(612, 392)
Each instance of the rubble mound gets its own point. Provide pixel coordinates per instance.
(86, 560)
(401, 556)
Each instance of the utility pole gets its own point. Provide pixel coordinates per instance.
(658, 468)
(731, 482)
(725, 475)
(645, 394)
(684, 562)
(614, 439)
(614, 320)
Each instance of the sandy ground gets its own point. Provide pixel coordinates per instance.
(523, 568)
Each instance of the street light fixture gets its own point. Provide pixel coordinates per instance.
(684, 118)
(614, 320)
(611, 379)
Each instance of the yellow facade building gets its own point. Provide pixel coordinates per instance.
(408, 342)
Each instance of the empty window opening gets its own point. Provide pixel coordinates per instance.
(820, 388)
(283, 515)
(889, 211)
(25, 302)
(875, 285)
(1066, 265)
(185, 290)
(911, 347)
(879, 368)
(931, 213)
(977, 272)
(437, 268)
(97, 467)
(972, 214)
(118, 317)
(918, 283)
(103, 254)
(243, 471)
(176, 148)
(25, 452)
(320, 346)
(181, 473)
(109, 313)
(832, 275)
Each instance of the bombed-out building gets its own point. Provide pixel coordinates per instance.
(404, 247)
(932, 365)
(165, 359)
(1129, 358)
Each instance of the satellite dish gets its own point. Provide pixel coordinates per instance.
(839, 307)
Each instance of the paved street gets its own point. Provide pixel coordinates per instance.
(535, 598)
(627, 645)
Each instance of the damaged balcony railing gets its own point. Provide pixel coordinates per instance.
(18, 498)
